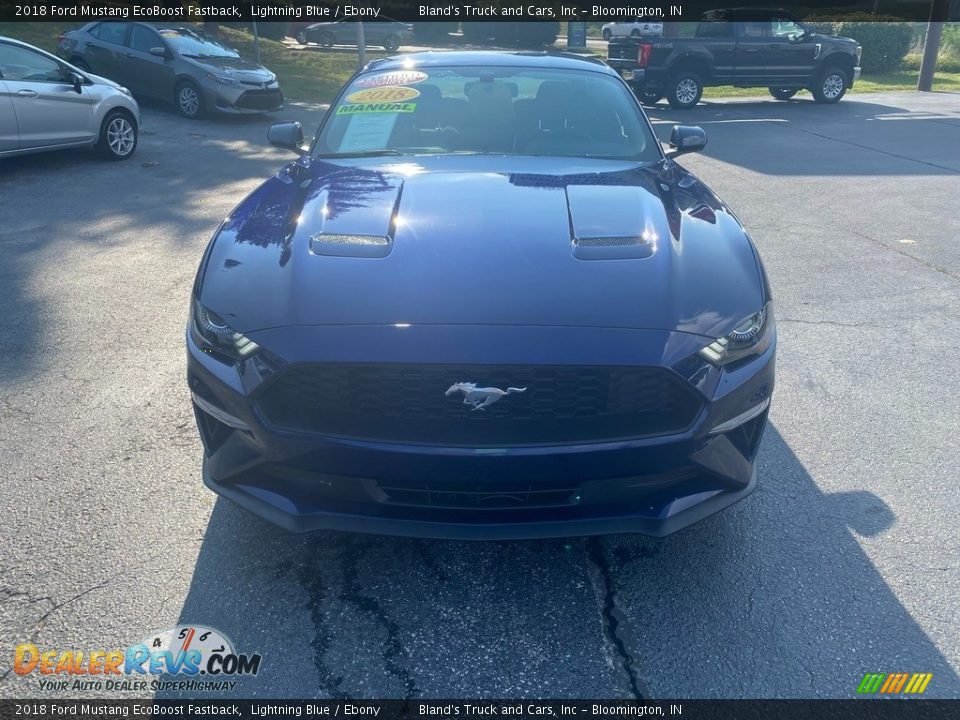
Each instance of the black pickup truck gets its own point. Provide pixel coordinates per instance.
(740, 47)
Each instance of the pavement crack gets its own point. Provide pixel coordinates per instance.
(312, 581)
(15, 595)
(617, 633)
(351, 593)
(833, 323)
(904, 253)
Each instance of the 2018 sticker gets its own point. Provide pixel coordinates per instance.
(395, 107)
(393, 77)
(390, 93)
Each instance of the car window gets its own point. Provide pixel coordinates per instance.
(112, 32)
(196, 44)
(754, 28)
(715, 29)
(17, 63)
(143, 38)
(497, 110)
(785, 27)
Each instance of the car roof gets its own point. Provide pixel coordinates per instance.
(14, 41)
(501, 58)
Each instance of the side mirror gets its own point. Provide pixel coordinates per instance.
(287, 135)
(159, 52)
(77, 81)
(686, 139)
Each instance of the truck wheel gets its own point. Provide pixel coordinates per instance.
(684, 90)
(783, 93)
(830, 86)
(606, 34)
(649, 97)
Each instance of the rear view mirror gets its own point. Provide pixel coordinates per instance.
(159, 51)
(287, 135)
(77, 81)
(686, 139)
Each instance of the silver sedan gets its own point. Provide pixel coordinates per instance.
(48, 104)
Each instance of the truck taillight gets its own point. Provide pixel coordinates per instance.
(643, 54)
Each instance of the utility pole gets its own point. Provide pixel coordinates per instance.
(931, 44)
(256, 42)
(361, 45)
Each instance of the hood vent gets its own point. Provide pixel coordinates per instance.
(612, 247)
(360, 246)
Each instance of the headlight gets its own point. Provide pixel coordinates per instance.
(750, 337)
(212, 333)
(224, 80)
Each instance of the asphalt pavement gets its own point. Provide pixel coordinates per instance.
(845, 561)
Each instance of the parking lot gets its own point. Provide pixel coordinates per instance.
(845, 561)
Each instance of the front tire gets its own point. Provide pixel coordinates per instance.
(606, 35)
(783, 93)
(684, 90)
(188, 100)
(81, 64)
(118, 136)
(649, 98)
(391, 43)
(831, 85)
(302, 38)
(326, 40)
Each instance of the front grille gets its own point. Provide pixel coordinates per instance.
(407, 403)
(260, 100)
(479, 496)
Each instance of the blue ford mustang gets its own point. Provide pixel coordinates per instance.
(483, 304)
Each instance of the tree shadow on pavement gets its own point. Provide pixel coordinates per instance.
(772, 598)
(71, 220)
(897, 135)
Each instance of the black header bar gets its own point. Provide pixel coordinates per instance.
(216, 709)
(438, 11)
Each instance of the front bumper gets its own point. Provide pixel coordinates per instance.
(243, 100)
(653, 485)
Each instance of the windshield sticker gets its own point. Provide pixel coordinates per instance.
(376, 108)
(390, 93)
(368, 132)
(395, 77)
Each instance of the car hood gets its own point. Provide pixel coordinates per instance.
(483, 241)
(238, 68)
(838, 39)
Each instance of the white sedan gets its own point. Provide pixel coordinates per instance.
(48, 104)
(636, 28)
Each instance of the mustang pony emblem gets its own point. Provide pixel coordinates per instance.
(479, 398)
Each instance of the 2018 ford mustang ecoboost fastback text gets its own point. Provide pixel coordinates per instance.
(483, 304)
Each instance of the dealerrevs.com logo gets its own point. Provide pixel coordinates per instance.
(189, 657)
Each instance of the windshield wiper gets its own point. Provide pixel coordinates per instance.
(210, 57)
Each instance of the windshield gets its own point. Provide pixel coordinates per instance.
(196, 44)
(500, 110)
